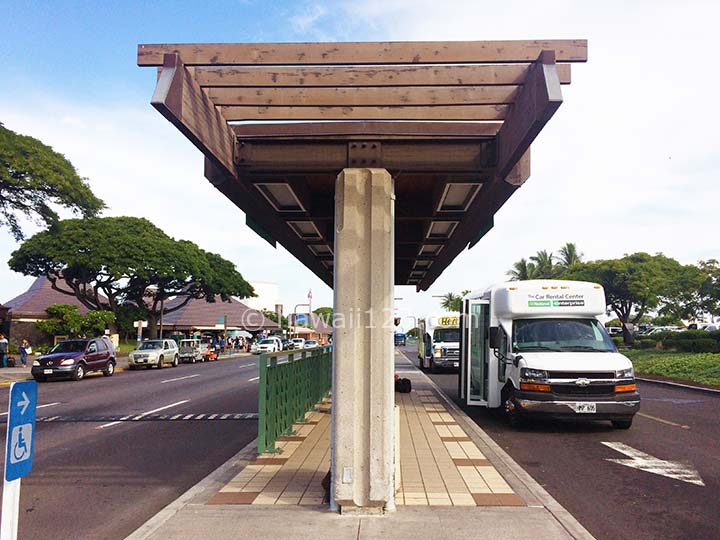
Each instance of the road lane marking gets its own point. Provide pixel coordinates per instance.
(668, 422)
(138, 417)
(179, 378)
(645, 462)
(38, 407)
(253, 379)
(248, 365)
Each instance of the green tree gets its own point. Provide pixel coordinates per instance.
(569, 256)
(634, 285)
(522, 270)
(272, 315)
(108, 262)
(709, 291)
(325, 313)
(33, 178)
(544, 262)
(412, 333)
(64, 320)
(453, 302)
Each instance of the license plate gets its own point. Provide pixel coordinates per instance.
(456, 364)
(47, 371)
(585, 408)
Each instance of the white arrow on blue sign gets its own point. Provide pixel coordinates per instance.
(20, 430)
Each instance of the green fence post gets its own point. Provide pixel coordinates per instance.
(262, 405)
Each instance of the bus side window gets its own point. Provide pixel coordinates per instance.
(502, 354)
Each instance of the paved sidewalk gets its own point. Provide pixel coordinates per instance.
(455, 483)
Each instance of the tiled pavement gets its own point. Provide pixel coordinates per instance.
(440, 463)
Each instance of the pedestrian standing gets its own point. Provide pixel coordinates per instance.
(3, 350)
(25, 349)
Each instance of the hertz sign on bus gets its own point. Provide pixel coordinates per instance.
(449, 321)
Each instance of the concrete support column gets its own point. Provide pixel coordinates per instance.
(362, 451)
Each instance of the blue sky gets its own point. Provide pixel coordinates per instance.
(629, 162)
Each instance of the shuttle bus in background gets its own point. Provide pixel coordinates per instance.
(439, 341)
(537, 348)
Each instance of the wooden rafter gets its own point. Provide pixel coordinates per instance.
(364, 53)
(361, 76)
(540, 98)
(440, 112)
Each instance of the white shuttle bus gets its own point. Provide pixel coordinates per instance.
(439, 341)
(537, 348)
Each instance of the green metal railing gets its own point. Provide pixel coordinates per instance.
(290, 386)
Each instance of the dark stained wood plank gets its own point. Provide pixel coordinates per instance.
(536, 104)
(288, 157)
(179, 99)
(367, 129)
(399, 52)
(364, 96)
(459, 112)
(417, 75)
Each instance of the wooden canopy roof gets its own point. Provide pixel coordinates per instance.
(451, 121)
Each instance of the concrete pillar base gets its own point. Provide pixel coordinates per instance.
(363, 424)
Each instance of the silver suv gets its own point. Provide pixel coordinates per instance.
(154, 352)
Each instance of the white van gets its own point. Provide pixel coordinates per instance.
(537, 348)
(439, 341)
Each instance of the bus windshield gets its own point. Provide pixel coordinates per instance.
(446, 335)
(577, 335)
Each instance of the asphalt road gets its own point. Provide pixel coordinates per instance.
(615, 501)
(96, 477)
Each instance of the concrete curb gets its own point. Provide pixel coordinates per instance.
(212, 482)
(680, 385)
(566, 520)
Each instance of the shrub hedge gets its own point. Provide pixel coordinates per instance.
(687, 341)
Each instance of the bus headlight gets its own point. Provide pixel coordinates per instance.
(438, 352)
(625, 373)
(529, 374)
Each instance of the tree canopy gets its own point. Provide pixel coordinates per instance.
(453, 302)
(545, 264)
(64, 320)
(112, 261)
(33, 178)
(634, 285)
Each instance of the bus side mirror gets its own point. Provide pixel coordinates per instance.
(494, 337)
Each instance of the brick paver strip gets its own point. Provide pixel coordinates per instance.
(290, 438)
(269, 461)
(233, 498)
(455, 439)
(472, 462)
(441, 423)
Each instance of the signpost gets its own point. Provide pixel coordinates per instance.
(19, 443)
(140, 325)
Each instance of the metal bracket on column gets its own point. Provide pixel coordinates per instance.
(364, 154)
(241, 153)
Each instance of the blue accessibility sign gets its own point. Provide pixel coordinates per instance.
(20, 429)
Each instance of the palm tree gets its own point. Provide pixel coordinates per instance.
(451, 302)
(569, 255)
(522, 270)
(544, 264)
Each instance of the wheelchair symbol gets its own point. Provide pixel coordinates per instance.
(19, 440)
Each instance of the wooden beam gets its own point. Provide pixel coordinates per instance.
(364, 96)
(431, 130)
(179, 99)
(399, 52)
(287, 157)
(460, 112)
(536, 104)
(417, 75)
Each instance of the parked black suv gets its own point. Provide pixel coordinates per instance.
(74, 358)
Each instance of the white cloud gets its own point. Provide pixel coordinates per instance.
(140, 165)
